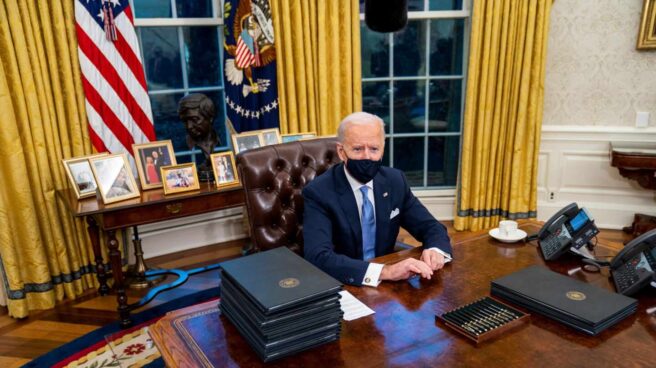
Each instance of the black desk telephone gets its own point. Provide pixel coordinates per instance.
(569, 227)
(634, 267)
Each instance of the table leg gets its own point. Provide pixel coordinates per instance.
(117, 271)
(94, 235)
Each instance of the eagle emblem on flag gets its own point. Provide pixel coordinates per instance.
(252, 28)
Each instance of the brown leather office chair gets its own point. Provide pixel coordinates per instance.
(273, 178)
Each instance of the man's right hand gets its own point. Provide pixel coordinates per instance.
(405, 269)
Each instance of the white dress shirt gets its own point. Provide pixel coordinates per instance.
(372, 276)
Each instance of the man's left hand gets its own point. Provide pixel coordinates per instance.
(433, 259)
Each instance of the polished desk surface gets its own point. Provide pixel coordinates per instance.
(403, 331)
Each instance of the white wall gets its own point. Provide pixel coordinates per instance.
(594, 74)
(595, 83)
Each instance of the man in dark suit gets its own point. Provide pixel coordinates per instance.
(354, 210)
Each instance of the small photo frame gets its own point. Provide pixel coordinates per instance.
(179, 178)
(150, 158)
(270, 136)
(298, 136)
(245, 141)
(80, 175)
(225, 170)
(114, 178)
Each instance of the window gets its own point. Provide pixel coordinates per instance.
(414, 80)
(182, 52)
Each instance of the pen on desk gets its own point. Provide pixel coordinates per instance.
(651, 310)
(458, 322)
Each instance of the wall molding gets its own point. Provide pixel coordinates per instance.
(574, 166)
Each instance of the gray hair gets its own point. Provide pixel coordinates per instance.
(360, 118)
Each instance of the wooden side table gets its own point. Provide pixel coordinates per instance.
(152, 206)
(637, 162)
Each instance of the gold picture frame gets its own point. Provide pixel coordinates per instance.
(270, 136)
(114, 178)
(225, 169)
(245, 141)
(179, 178)
(80, 175)
(149, 158)
(647, 32)
(298, 136)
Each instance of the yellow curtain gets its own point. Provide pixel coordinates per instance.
(503, 112)
(44, 253)
(318, 63)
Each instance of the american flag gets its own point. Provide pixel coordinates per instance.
(117, 103)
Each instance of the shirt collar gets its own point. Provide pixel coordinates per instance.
(355, 184)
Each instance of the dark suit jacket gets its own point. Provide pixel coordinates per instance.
(332, 233)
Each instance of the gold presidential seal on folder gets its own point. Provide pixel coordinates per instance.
(575, 295)
(288, 283)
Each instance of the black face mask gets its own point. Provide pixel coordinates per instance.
(363, 170)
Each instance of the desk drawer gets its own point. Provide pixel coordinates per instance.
(184, 206)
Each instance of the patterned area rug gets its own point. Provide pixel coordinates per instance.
(110, 346)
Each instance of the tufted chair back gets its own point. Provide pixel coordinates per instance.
(273, 178)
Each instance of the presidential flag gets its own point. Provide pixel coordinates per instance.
(117, 103)
(251, 92)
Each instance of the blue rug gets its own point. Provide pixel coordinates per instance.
(62, 355)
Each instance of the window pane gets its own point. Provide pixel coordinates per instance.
(152, 8)
(409, 106)
(202, 56)
(444, 105)
(410, 50)
(409, 157)
(161, 57)
(167, 122)
(375, 99)
(444, 4)
(446, 46)
(194, 8)
(374, 48)
(443, 157)
(386, 153)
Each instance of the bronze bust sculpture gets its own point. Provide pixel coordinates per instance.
(197, 113)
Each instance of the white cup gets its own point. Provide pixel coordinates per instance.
(507, 227)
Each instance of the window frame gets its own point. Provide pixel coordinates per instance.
(428, 16)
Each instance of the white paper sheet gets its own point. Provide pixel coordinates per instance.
(352, 307)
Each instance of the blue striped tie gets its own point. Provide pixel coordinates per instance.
(368, 222)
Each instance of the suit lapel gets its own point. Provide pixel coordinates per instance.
(382, 198)
(349, 206)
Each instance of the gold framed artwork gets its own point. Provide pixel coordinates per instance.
(80, 175)
(149, 158)
(298, 136)
(225, 170)
(647, 32)
(179, 178)
(114, 177)
(270, 136)
(245, 141)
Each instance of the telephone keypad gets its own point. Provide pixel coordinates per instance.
(627, 274)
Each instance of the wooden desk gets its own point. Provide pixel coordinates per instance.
(152, 206)
(403, 331)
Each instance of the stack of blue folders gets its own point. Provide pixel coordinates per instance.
(280, 303)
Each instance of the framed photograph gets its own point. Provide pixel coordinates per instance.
(180, 178)
(647, 32)
(270, 136)
(245, 141)
(225, 170)
(297, 136)
(114, 178)
(80, 175)
(150, 157)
